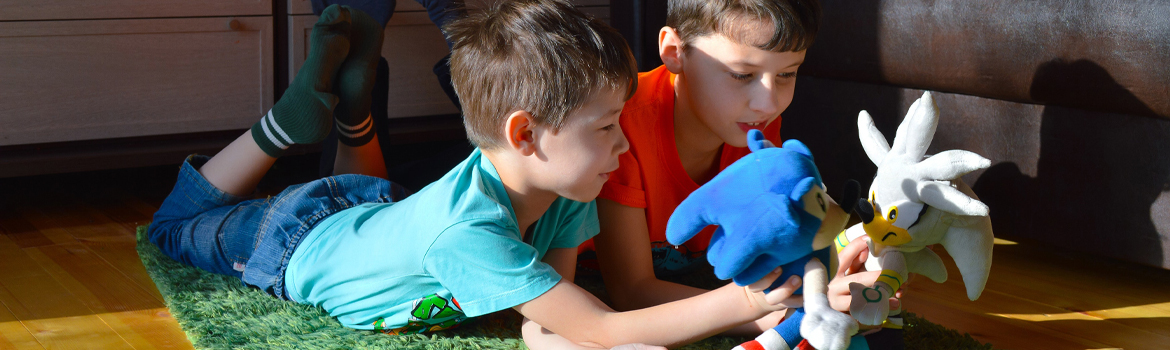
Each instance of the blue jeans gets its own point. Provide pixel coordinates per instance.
(202, 226)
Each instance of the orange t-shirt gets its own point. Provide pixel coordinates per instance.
(651, 176)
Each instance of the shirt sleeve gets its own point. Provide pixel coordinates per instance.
(578, 223)
(486, 268)
(625, 185)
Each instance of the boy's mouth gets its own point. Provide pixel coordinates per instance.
(749, 126)
(606, 175)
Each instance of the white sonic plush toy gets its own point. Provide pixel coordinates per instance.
(915, 201)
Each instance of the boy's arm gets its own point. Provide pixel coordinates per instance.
(564, 261)
(623, 252)
(580, 317)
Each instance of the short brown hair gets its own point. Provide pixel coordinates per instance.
(794, 22)
(540, 56)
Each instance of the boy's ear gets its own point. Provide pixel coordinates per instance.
(670, 49)
(519, 133)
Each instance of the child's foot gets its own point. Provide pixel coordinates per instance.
(355, 80)
(305, 113)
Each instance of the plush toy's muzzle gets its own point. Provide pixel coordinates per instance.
(880, 229)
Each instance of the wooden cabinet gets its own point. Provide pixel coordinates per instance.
(53, 10)
(101, 79)
(87, 85)
(119, 83)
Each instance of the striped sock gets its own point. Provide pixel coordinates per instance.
(304, 113)
(769, 340)
(355, 80)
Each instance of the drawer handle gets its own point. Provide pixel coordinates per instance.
(234, 24)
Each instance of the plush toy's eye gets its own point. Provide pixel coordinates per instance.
(893, 216)
(814, 202)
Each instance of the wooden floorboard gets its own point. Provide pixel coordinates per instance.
(13, 333)
(1065, 301)
(70, 278)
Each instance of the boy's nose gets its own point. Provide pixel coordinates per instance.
(765, 100)
(623, 144)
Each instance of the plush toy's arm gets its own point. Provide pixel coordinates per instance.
(871, 305)
(925, 262)
(823, 327)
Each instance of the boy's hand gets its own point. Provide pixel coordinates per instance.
(852, 258)
(779, 298)
(851, 270)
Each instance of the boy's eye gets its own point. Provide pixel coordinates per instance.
(788, 75)
(609, 127)
(741, 77)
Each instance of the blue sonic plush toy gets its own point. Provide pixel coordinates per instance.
(769, 206)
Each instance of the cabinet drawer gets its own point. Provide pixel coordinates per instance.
(304, 7)
(83, 80)
(94, 9)
(412, 46)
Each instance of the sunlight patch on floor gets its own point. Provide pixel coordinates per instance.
(1001, 241)
(1127, 312)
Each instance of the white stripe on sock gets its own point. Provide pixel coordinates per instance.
(361, 125)
(268, 132)
(278, 130)
(772, 340)
(365, 128)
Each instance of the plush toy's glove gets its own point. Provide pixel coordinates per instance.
(754, 203)
(870, 305)
(828, 329)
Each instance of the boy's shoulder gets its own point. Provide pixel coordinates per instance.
(653, 100)
(653, 85)
(470, 190)
(472, 195)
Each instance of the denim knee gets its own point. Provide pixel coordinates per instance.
(186, 225)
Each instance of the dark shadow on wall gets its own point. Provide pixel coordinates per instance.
(1097, 175)
(823, 115)
(834, 86)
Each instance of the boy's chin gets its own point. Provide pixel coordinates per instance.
(584, 196)
(739, 139)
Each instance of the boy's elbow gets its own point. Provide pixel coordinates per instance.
(631, 295)
(601, 334)
(623, 301)
(537, 337)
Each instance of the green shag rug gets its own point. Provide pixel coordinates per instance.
(218, 312)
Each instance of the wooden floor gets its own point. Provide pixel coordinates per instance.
(70, 277)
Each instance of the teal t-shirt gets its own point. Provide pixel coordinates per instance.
(451, 251)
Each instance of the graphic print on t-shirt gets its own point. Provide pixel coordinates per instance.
(670, 260)
(429, 314)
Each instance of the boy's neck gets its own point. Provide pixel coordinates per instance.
(528, 202)
(698, 146)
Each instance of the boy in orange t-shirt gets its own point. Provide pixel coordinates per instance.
(648, 121)
(728, 66)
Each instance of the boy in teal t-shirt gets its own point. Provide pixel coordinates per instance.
(542, 87)
(458, 236)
